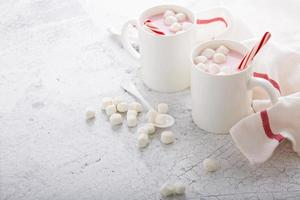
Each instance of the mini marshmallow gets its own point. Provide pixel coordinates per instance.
(106, 101)
(117, 100)
(167, 137)
(151, 115)
(200, 59)
(160, 119)
(208, 53)
(213, 68)
(169, 20)
(175, 27)
(136, 106)
(115, 119)
(143, 140)
(150, 128)
(179, 188)
(122, 107)
(219, 58)
(131, 121)
(210, 165)
(132, 112)
(168, 13)
(162, 108)
(167, 189)
(222, 49)
(111, 109)
(180, 17)
(143, 129)
(186, 25)
(90, 113)
(202, 67)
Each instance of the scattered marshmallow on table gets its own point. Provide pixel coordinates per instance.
(175, 27)
(132, 121)
(122, 107)
(208, 53)
(143, 129)
(90, 113)
(222, 49)
(143, 140)
(180, 17)
(151, 115)
(213, 68)
(131, 112)
(219, 58)
(106, 101)
(179, 188)
(210, 165)
(168, 13)
(150, 128)
(167, 137)
(202, 67)
(167, 189)
(169, 20)
(111, 109)
(162, 108)
(160, 119)
(135, 106)
(200, 59)
(117, 100)
(115, 119)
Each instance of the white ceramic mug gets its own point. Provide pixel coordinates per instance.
(220, 101)
(165, 59)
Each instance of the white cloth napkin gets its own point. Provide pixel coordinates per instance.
(259, 134)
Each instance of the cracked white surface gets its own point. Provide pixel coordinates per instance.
(54, 62)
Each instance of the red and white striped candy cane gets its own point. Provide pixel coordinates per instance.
(211, 20)
(249, 56)
(151, 27)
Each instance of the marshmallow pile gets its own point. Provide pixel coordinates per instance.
(176, 21)
(166, 137)
(114, 106)
(169, 189)
(216, 57)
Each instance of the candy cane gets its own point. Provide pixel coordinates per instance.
(151, 27)
(249, 56)
(208, 21)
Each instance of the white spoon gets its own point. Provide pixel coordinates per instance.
(129, 87)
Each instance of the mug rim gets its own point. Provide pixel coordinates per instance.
(200, 46)
(188, 11)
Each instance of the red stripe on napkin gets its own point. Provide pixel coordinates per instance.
(207, 21)
(266, 124)
(266, 77)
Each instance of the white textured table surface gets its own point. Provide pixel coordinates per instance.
(55, 61)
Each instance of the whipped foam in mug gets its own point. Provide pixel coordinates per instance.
(167, 23)
(219, 61)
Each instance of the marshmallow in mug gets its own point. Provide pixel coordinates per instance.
(219, 61)
(167, 23)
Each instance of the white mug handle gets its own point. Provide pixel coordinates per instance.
(213, 15)
(266, 85)
(125, 41)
